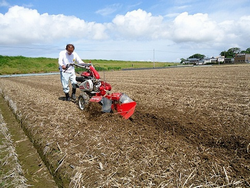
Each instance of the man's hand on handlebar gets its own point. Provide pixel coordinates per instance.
(65, 67)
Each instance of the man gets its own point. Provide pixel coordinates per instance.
(67, 72)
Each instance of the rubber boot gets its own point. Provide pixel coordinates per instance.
(73, 96)
(67, 97)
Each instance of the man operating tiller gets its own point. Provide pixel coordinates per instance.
(67, 72)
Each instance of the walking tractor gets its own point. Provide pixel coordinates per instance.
(93, 89)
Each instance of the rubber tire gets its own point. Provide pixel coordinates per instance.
(81, 102)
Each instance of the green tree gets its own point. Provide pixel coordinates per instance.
(182, 60)
(230, 53)
(248, 50)
(198, 56)
(233, 51)
(224, 53)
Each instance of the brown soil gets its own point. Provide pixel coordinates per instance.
(191, 128)
(20, 164)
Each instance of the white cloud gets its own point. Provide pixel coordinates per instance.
(136, 30)
(139, 24)
(196, 28)
(235, 33)
(4, 3)
(23, 25)
(109, 9)
(244, 25)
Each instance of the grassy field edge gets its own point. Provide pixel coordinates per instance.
(24, 65)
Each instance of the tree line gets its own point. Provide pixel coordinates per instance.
(230, 53)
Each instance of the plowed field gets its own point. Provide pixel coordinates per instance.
(191, 128)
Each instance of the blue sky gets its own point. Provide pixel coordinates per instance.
(159, 30)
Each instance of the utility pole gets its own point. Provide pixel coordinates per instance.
(154, 57)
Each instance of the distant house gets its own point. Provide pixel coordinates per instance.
(217, 60)
(229, 60)
(214, 60)
(193, 61)
(211, 60)
(242, 58)
(221, 59)
(207, 60)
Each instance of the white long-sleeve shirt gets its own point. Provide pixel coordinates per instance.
(65, 58)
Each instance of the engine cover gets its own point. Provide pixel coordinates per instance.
(86, 86)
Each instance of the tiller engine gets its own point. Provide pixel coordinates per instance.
(93, 89)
